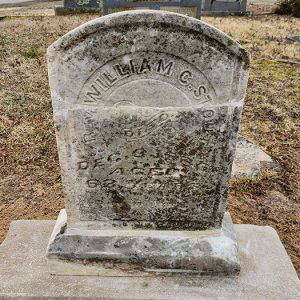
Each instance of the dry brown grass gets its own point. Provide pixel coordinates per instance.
(263, 36)
(30, 181)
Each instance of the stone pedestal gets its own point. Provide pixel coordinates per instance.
(113, 252)
(266, 272)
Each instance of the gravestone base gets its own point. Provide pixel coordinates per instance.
(120, 252)
(224, 13)
(266, 272)
(63, 11)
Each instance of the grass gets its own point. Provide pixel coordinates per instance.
(32, 53)
(30, 185)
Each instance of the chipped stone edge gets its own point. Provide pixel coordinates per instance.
(71, 260)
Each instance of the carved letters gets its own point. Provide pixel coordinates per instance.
(146, 65)
(145, 167)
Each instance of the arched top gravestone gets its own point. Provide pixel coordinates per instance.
(138, 50)
(146, 108)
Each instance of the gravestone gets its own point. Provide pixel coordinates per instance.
(80, 3)
(225, 7)
(193, 8)
(78, 6)
(293, 38)
(146, 109)
(250, 160)
(182, 6)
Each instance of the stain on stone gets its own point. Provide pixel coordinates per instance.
(120, 206)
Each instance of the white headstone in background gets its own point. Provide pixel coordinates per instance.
(146, 107)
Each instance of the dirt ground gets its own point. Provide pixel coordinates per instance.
(30, 185)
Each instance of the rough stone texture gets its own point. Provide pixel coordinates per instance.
(146, 127)
(294, 38)
(81, 3)
(71, 7)
(266, 272)
(62, 11)
(207, 252)
(228, 6)
(188, 11)
(250, 160)
(146, 131)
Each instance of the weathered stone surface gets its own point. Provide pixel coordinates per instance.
(209, 251)
(227, 6)
(146, 127)
(146, 108)
(294, 38)
(81, 3)
(70, 7)
(266, 272)
(62, 11)
(250, 160)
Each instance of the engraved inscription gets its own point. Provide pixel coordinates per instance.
(161, 67)
(107, 79)
(138, 158)
(146, 111)
(151, 125)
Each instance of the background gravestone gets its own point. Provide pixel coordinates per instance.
(187, 7)
(193, 8)
(146, 130)
(190, 7)
(224, 7)
(78, 6)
